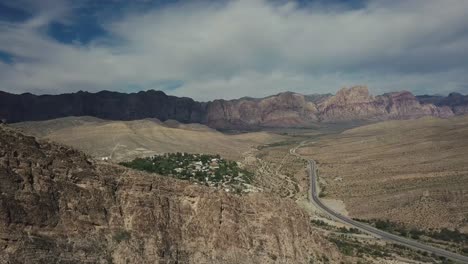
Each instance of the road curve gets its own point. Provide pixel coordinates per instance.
(314, 199)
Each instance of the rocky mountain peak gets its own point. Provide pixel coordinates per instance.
(455, 95)
(355, 94)
(283, 109)
(403, 95)
(287, 97)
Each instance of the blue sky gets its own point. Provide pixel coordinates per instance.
(233, 48)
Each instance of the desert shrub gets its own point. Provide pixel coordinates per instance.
(122, 235)
(450, 235)
(465, 250)
(318, 222)
(444, 234)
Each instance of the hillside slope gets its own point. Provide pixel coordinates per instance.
(59, 206)
(124, 140)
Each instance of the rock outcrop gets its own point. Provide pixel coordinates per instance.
(351, 104)
(59, 206)
(104, 104)
(357, 104)
(282, 110)
(457, 102)
(296, 110)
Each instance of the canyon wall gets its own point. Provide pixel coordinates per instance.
(282, 110)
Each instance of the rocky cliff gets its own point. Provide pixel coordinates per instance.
(104, 104)
(291, 109)
(455, 101)
(282, 110)
(59, 206)
(357, 104)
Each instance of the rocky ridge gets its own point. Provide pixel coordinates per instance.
(59, 206)
(282, 110)
(456, 101)
(292, 109)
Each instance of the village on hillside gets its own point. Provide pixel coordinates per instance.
(206, 169)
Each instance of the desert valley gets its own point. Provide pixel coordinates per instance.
(78, 188)
(234, 132)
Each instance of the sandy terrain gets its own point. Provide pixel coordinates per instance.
(415, 172)
(123, 140)
(337, 205)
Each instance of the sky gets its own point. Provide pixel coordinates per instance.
(233, 48)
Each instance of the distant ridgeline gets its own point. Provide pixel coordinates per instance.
(105, 104)
(209, 170)
(282, 110)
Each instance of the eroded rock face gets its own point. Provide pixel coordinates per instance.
(281, 110)
(104, 104)
(59, 206)
(296, 110)
(351, 104)
(404, 105)
(457, 102)
(357, 104)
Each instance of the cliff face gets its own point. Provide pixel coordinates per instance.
(351, 104)
(290, 109)
(58, 205)
(455, 101)
(404, 105)
(281, 110)
(105, 105)
(357, 104)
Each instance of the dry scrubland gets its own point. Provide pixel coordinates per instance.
(125, 140)
(152, 218)
(414, 172)
(276, 171)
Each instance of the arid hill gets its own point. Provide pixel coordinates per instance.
(414, 171)
(282, 110)
(124, 140)
(57, 205)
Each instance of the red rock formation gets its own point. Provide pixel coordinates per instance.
(290, 109)
(282, 110)
(457, 102)
(351, 104)
(404, 105)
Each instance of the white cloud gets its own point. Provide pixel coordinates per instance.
(253, 48)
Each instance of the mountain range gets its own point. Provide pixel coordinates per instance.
(286, 109)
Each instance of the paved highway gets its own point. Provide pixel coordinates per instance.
(314, 198)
